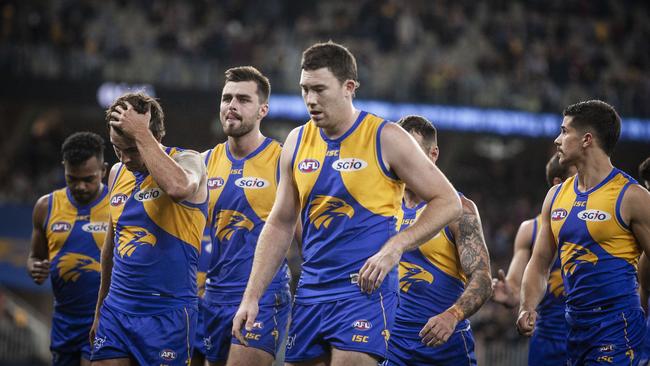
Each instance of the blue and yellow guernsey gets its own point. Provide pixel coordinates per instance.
(430, 278)
(597, 250)
(242, 192)
(157, 244)
(348, 201)
(75, 235)
(551, 322)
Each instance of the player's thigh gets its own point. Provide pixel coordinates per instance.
(115, 362)
(84, 362)
(198, 359)
(352, 358)
(217, 363)
(320, 361)
(243, 356)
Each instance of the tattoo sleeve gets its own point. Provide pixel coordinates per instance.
(474, 260)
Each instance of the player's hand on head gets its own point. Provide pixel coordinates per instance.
(129, 121)
(526, 322)
(438, 329)
(40, 271)
(376, 268)
(244, 318)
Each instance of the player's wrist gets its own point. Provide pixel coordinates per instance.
(456, 312)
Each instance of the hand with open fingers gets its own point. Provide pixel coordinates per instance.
(501, 291)
(526, 322)
(132, 123)
(376, 268)
(39, 271)
(245, 316)
(438, 329)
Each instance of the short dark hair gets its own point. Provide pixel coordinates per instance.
(644, 170)
(81, 146)
(249, 73)
(422, 127)
(556, 170)
(338, 59)
(141, 102)
(599, 118)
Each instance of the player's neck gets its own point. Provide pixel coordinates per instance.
(340, 127)
(593, 169)
(411, 199)
(240, 147)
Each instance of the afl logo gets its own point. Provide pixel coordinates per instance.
(251, 183)
(95, 227)
(361, 325)
(60, 227)
(349, 165)
(168, 355)
(594, 215)
(214, 183)
(148, 194)
(558, 214)
(308, 165)
(118, 199)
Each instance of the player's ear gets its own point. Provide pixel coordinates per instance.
(263, 111)
(587, 139)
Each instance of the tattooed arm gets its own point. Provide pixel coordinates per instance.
(475, 263)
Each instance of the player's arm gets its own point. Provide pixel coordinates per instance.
(475, 263)
(180, 177)
(38, 263)
(403, 156)
(507, 287)
(534, 282)
(106, 261)
(273, 243)
(644, 285)
(635, 211)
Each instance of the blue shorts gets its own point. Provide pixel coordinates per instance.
(70, 338)
(199, 334)
(406, 348)
(149, 339)
(547, 351)
(268, 332)
(613, 339)
(360, 324)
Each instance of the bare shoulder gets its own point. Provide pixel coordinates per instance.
(40, 209)
(635, 204)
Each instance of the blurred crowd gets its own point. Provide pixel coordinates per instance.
(533, 55)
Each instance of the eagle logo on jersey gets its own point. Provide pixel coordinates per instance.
(132, 237)
(555, 283)
(72, 265)
(324, 209)
(410, 273)
(229, 221)
(573, 255)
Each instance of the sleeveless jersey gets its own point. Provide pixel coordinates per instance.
(75, 235)
(242, 193)
(430, 277)
(551, 322)
(157, 243)
(348, 201)
(597, 250)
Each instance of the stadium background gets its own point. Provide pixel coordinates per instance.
(494, 77)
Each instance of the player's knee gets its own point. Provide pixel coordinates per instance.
(241, 356)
